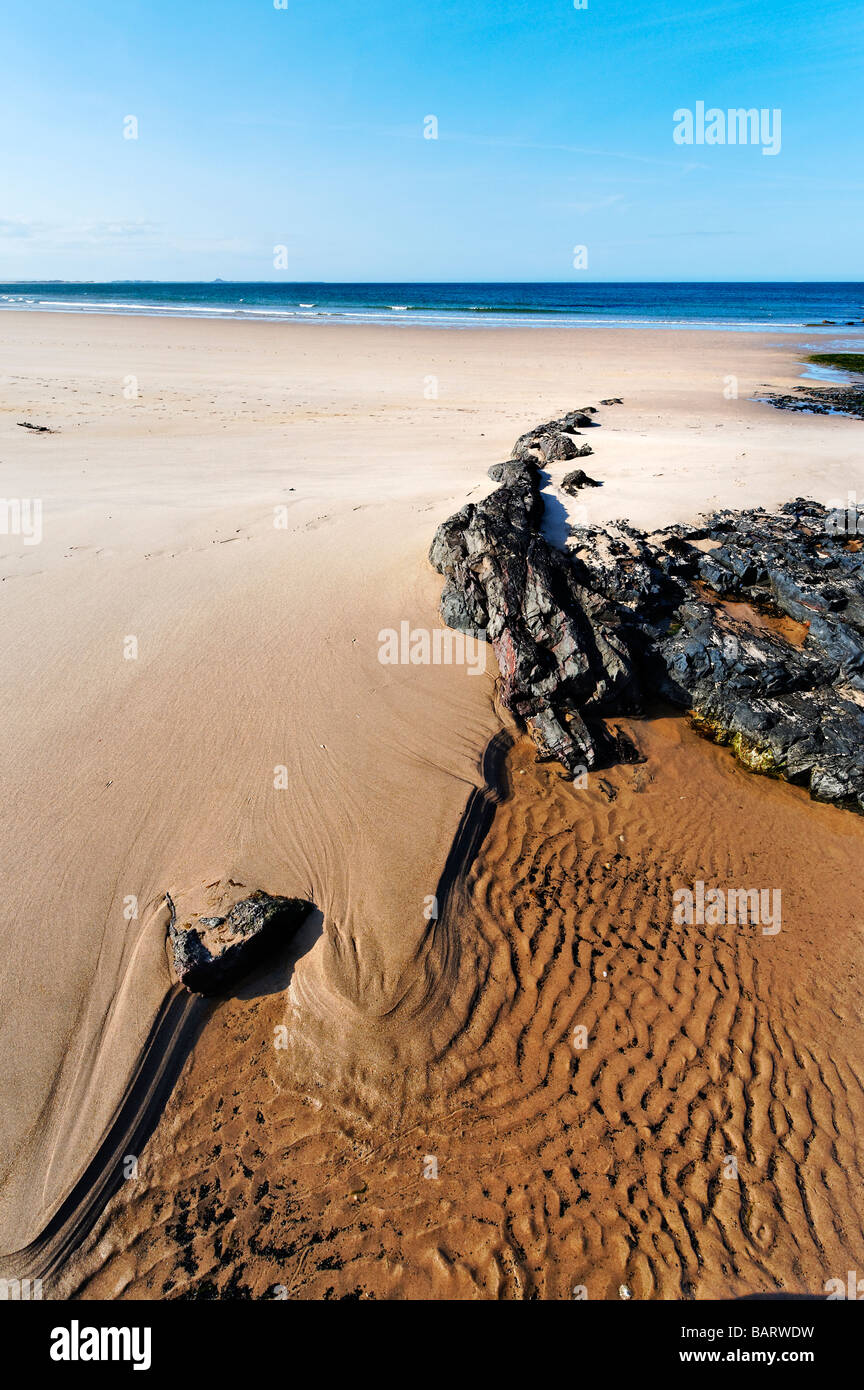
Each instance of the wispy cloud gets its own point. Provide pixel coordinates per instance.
(105, 233)
(22, 235)
(414, 132)
(19, 228)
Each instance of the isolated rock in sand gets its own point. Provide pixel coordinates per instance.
(572, 482)
(760, 636)
(209, 953)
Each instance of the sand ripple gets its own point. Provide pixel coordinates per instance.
(701, 1144)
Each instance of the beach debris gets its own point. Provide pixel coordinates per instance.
(612, 400)
(759, 637)
(37, 429)
(572, 482)
(209, 953)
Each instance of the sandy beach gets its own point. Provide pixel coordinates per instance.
(195, 705)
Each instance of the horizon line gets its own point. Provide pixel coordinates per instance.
(221, 280)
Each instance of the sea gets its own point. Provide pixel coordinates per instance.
(750, 306)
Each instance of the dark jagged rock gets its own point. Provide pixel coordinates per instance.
(558, 657)
(513, 471)
(572, 482)
(556, 447)
(613, 400)
(636, 574)
(822, 400)
(209, 953)
(753, 622)
(546, 445)
(771, 705)
(804, 561)
(551, 442)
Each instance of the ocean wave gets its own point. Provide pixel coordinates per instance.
(446, 315)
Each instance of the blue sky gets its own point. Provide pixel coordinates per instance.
(303, 127)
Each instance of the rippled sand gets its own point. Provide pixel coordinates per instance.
(702, 1143)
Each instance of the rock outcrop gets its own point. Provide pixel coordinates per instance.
(822, 400)
(550, 443)
(752, 622)
(209, 953)
(557, 656)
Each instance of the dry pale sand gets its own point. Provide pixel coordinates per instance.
(302, 1167)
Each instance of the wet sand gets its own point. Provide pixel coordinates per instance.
(698, 1141)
